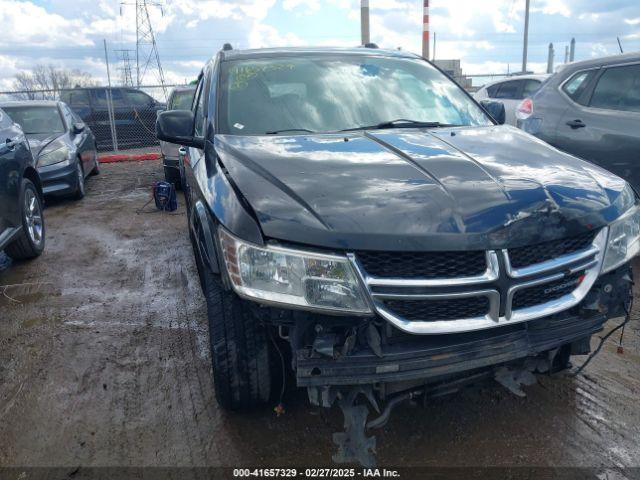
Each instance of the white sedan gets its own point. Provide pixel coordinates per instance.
(511, 91)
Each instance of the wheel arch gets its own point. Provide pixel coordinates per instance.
(31, 174)
(205, 238)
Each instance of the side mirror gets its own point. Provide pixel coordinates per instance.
(77, 128)
(496, 110)
(176, 126)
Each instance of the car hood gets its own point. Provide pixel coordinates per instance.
(38, 141)
(438, 189)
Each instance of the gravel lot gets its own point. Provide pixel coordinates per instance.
(104, 362)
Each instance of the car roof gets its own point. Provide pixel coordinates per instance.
(183, 88)
(279, 52)
(603, 61)
(527, 76)
(30, 103)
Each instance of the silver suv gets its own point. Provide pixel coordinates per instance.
(591, 109)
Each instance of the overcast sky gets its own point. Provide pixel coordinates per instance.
(485, 34)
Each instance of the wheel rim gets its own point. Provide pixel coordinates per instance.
(33, 217)
(80, 179)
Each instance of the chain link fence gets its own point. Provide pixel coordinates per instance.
(120, 118)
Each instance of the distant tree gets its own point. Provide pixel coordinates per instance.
(44, 82)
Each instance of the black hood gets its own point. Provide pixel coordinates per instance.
(444, 189)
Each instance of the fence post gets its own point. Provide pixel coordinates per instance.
(112, 121)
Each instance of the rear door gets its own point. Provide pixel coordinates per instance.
(144, 114)
(604, 127)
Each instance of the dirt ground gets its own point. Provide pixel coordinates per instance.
(104, 362)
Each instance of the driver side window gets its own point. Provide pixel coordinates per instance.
(199, 99)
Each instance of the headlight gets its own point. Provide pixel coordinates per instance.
(291, 277)
(49, 157)
(624, 240)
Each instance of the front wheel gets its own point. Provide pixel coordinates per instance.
(79, 193)
(30, 243)
(240, 349)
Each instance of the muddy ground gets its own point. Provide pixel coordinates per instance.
(104, 362)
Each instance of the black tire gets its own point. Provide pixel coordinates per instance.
(80, 192)
(172, 175)
(240, 349)
(28, 245)
(96, 168)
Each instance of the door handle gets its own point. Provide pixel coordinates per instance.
(182, 151)
(576, 124)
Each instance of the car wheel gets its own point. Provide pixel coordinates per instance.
(240, 349)
(172, 175)
(79, 194)
(30, 243)
(96, 167)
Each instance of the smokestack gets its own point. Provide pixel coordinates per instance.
(364, 22)
(566, 54)
(572, 50)
(550, 59)
(425, 30)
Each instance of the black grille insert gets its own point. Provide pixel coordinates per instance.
(431, 310)
(530, 255)
(423, 264)
(528, 297)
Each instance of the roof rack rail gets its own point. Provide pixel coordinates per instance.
(370, 45)
(226, 47)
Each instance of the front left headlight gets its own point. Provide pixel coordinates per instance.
(624, 240)
(51, 157)
(291, 277)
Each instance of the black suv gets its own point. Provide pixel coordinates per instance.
(22, 232)
(358, 215)
(134, 114)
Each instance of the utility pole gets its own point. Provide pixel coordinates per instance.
(365, 37)
(434, 46)
(112, 123)
(525, 45)
(146, 48)
(125, 69)
(550, 58)
(425, 30)
(572, 50)
(620, 45)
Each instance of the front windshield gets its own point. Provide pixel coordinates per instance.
(34, 120)
(324, 93)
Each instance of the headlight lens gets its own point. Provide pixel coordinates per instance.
(292, 277)
(624, 240)
(50, 157)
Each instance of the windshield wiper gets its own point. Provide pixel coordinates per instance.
(402, 123)
(274, 132)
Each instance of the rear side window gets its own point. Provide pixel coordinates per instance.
(530, 87)
(618, 89)
(492, 90)
(75, 97)
(577, 84)
(138, 99)
(509, 90)
(100, 97)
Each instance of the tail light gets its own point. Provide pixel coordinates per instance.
(525, 109)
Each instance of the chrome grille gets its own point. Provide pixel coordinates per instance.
(494, 293)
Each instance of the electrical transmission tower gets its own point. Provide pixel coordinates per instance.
(125, 69)
(147, 57)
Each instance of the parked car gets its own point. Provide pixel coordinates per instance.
(134, 114)
(22, 229)
(383, 236)
(591, 109)
(180, 98)
(510, 92)
(63, 146)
